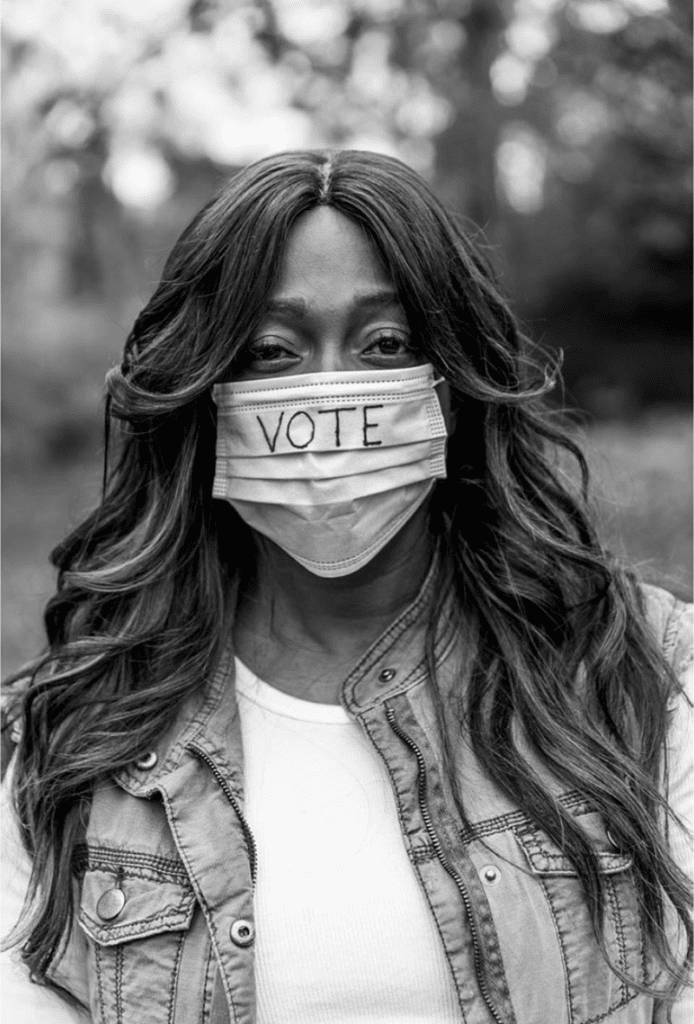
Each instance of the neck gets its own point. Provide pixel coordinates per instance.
(336, 619)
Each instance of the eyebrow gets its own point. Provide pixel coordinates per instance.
(299, 309)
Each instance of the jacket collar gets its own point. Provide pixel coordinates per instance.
(393, 664)
(397, 660)
(210, 715)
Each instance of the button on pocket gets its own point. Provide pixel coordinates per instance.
(147, 906)
(136, 920)
(110, 904)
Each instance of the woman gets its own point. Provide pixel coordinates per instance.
(346, 714)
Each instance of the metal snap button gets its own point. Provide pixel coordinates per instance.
(386, 675)
(148, 761)
(110, 904)
(490, 874)
(242, 932)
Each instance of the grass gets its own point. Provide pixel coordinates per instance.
(643, 486)
(642, 474)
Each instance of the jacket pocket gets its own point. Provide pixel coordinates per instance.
(594, 990)
(136, 920)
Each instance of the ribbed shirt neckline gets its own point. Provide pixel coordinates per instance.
(251, 688)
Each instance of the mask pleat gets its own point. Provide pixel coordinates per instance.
(330, 466)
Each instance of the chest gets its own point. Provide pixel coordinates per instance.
(500, 902)
(342, 925)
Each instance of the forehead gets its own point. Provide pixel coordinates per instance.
(329, 255)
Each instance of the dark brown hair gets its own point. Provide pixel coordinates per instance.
(147, 582)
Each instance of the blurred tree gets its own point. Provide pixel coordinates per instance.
(611, 101)
(103, 99)
(466, 149)
(622, 143)
(562, 127)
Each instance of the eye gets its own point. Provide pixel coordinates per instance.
(391, 346)
(269, 353)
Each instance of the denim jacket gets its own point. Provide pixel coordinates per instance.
(164, 929)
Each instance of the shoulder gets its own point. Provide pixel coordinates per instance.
(672, 622)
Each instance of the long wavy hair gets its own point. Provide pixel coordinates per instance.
(147, 583)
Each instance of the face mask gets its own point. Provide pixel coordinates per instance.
(330, 465)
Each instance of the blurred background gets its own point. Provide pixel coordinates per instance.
(561, 127)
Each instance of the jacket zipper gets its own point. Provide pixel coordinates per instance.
(226, 789)
(436, 843)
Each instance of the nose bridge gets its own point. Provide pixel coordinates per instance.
(331, 336)
(330, 355)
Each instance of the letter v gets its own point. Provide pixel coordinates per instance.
(271, 444)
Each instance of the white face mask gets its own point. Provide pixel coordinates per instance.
(330, 465)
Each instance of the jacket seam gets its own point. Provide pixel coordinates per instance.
(367, 729)
(562, 949)
(211, 701)
(390, 636)
(220, 760)
(642, 944)
(488, 933)
(415, 864)
(517, 820)
(144, 873)
(385, 644)
(479, 914)
(613, 901)
(574, 1016)
(98, 958)
(442, 650)
(173, 990)
(671, 629)
(422, 853)
(557, 862)
(415, 676)
(211, 924)
(120, 954)
(399, 691)
(99, 858)
(449, 961)
(608, 1013)
(144, 924)
(208, 981)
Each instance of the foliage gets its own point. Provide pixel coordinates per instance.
(561, 127)
(125, 87)
(620, 111)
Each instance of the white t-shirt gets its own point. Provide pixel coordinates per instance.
(343, 930)
(353, 813)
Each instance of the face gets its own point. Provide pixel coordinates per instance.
(333, 307)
